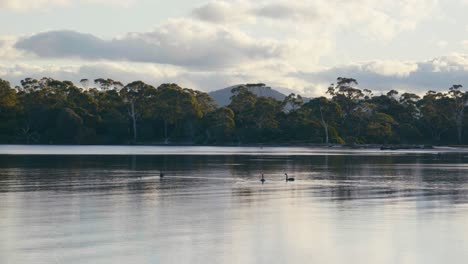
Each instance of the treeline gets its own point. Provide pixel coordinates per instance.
(49, 111)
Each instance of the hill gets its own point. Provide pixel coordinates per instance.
(222, 97)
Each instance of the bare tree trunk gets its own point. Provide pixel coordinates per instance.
(325, 126)
(326, 135)
(133, 116)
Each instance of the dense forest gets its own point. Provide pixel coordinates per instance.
(105, 111)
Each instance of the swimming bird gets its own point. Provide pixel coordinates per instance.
(289, 178)
(262, 179)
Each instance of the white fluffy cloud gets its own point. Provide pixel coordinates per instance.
(316, 29)
(299, 33)
(381, 19)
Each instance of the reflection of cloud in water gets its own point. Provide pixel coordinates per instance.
(214, 209)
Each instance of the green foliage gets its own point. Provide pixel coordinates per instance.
(177, 107)
(219, 125)
(68, 126)
(380, 128)
(49, 111)
(7, 96)
(256, 118)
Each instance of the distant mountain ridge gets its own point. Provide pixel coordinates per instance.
(223, 96)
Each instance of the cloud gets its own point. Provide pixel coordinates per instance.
(442, 44)
(176, 42)
(234, 34)
(117, 71)
(222, 43)
(127, 72)
(22, 5)
(464, 44)
(156, 74)
(25, 4)
(379, 19)
(391, 68)
(7, 49)
(306, 11)
(381, 76)
(222, 12)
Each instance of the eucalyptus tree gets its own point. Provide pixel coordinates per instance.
(138, 96)
(360, 117)
(393, 94)
(43, 103)
(220, 125)
(243, 104)
(85, 83)
(409, 102)
(8, 111)
(404, 112)
(436, 114)
(328, 112)
(460, 100)
(8, 98)
(173, 105)
(265, 112)
(380, 128)
(205, 102)
(256, 117)
(346, 93)
(108, 84)
(293, 102)
(30, 84)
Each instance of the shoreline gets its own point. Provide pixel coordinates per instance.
(324, 146)
(267, 150)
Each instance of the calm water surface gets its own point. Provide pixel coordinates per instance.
(344, 207)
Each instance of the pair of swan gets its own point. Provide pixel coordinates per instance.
(288, 179)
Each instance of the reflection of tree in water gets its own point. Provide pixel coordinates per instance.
(342, 177)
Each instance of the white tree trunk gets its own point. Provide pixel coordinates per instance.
(133, 116)
(325, 126)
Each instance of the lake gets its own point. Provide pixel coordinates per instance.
(96, 204)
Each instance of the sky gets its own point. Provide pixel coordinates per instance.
(294, 45)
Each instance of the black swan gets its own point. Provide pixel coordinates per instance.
(289, 179)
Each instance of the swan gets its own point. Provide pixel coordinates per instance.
(262, 179)
(289, 178)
